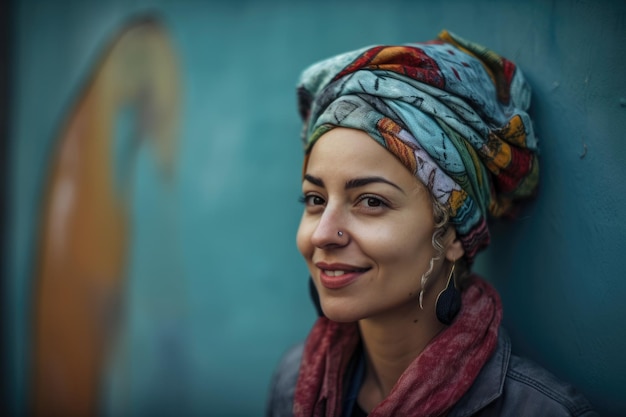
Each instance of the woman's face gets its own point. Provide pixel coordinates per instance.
(353, 185)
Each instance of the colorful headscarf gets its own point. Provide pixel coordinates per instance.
(452, 111)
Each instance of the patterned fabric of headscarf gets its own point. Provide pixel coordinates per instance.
(452, 111)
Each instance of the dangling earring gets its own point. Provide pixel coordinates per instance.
(448, 301)
(425, 277)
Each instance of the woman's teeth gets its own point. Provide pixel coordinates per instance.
(334, 273)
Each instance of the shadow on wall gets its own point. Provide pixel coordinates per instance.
(131, 98)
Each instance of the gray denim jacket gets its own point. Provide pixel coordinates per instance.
(506, 386)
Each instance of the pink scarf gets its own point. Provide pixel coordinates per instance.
(432, 383)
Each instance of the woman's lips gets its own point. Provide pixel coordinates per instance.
(335, 276)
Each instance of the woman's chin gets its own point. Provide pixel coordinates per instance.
(340, 314)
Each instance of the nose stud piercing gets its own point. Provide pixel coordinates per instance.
(340, 233)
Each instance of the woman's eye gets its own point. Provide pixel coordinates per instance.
(372, 202)
(312, 200)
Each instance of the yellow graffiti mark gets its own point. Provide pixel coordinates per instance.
(84, 239)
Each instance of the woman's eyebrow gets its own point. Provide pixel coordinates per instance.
(314, 180)
(353, 183)
(360, 182)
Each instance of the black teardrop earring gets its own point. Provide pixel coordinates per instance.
(448, 301)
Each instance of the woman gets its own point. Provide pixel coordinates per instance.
(408, 149)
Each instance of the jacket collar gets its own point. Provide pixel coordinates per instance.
(489, 383)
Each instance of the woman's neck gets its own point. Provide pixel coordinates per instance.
(390, 344)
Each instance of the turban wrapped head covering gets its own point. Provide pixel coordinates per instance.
(452, 111)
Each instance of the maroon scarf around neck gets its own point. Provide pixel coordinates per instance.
(432, 383)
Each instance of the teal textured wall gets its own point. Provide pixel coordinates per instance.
(216, 289)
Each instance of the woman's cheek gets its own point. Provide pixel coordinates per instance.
(303, 237)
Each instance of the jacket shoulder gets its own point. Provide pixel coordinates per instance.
(530, 387)
(508, 385)
(283, 385)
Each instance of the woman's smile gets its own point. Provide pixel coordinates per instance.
(338, 275)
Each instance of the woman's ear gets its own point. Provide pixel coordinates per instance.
(454, 248)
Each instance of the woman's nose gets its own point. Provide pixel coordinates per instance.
(330, 230)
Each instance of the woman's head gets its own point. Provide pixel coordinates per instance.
(452, 112)
(367, 228)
